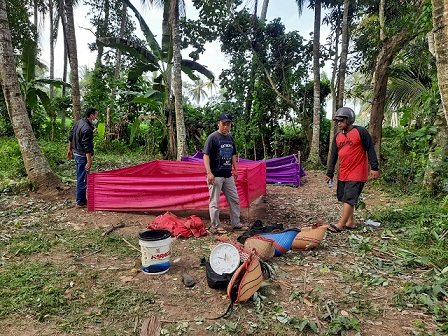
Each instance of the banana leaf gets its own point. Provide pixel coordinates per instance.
(54, 82)
(141, 53)
(135, 129)
(29, 57)
(189, 66)
(167, 42)
(44, 99)
(150, 38)
(138, 69)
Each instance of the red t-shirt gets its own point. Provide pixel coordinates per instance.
(353, 165)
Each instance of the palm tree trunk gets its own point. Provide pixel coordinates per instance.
(64, 78)
(250, 86)
(73, 59)
(435, 171)
(177, 82)
(385, 57)
(102, 32)
(121, 35)
(314, 148)
(264, 10)
(51, 14)
(51, 19)
(440, 23)
(333, 84)
(116, 72)
(344, 53)
(381, 19)
(37, 167)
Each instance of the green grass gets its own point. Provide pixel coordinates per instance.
(27, 240)
(13, 178)
(421, 230)
(71, 298)
(66, 291)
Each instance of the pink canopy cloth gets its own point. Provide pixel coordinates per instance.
(167, 185)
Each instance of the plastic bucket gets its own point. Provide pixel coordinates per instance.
(155, 246)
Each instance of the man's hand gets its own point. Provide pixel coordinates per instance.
(374, 174)
(69, 154)
(210, 178)
(88, 165)
(327, 179)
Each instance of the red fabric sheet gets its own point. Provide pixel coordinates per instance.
(179, 227)
(167, 185)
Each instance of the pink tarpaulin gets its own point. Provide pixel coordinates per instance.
(167, 185)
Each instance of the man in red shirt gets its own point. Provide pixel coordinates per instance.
(354, 148)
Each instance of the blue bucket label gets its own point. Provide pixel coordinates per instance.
(156, 268)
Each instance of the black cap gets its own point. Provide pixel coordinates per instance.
(225, 117)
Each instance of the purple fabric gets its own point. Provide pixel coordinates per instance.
(283, 170)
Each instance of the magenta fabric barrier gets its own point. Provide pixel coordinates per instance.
(283, 170)
(167, 185)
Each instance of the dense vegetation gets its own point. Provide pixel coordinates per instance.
(384, 63)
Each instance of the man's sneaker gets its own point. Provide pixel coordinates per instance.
(81, 205)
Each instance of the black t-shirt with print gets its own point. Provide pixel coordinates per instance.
(220, 148)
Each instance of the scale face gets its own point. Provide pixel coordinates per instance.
(224, 258)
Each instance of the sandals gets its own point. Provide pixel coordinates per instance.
(217, 230)
(334, 229)
(240, 228)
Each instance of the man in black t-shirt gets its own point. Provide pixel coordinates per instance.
(220, 163)
(80, 147)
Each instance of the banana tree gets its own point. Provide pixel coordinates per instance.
(32, 87)
(160, 59)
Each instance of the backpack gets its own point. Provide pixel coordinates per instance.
(214, 280)
(246, 280)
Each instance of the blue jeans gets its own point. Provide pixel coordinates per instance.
(81, 179)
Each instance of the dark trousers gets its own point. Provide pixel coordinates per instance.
(81, 179)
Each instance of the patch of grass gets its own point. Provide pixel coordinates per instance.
(421, 229)
(92, 240)
(12, 173)
(431, 295)
(31, 288)
(74, 298)
(30, 243)
(342, 323)
(40, 238)
(107, 156)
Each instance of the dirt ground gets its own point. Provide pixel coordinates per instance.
(307, 286)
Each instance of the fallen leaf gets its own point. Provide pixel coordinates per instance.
(125, 279)
(308, 303)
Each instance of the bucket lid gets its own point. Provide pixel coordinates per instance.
(152, 235)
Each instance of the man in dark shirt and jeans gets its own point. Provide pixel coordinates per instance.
(80, 146)
(220, 163)
(353, 146)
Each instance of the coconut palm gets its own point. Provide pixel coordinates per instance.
(314, 147)
(68, 23)
(198, 90)
(37, 167)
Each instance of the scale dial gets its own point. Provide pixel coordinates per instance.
(224, 258)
